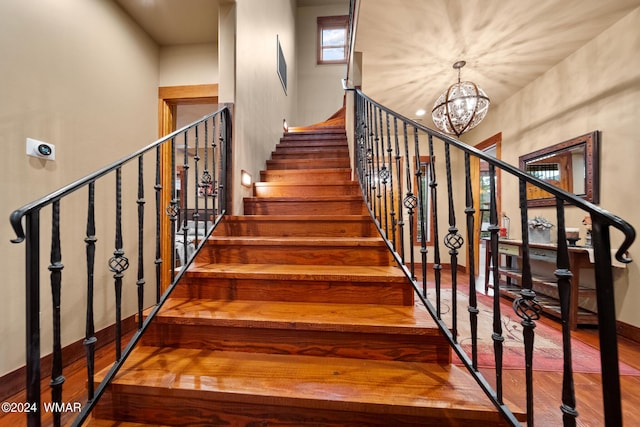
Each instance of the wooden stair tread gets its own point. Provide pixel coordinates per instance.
(306, 184)
(365, 318)
(303, 218)
(305, 381)
(306, 199)
(353, 273)
(358, 242)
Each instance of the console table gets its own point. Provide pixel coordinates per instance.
(582, 309)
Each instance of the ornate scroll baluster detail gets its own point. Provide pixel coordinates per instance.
(453, 241)
(410, 202)
(90, 338)
(564, 276)
(118, 264)
(141, 202)
(525, 306)
(473, 302)
(57, 379)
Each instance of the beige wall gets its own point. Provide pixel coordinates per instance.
(193, 64)
(80, 75)
(261, 103)
(320, 91)
(596, 88)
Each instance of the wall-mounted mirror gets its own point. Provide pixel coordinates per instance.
(571, 165)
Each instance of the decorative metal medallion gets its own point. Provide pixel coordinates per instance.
(454, 241)
(410, 201)
(118, 264)
(526, 307)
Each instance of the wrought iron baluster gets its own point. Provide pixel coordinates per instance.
(369, 156)
(215, 178)
(184, 202)
(437, 266)
(392, 212)
(377, 116)
(400, 212)
(32, 286)
(410, 202)
(383, 175)
(421, 213)
(90, 338)
(158, 189)
(196, 187)
(205, 180)
(473, 301)
(174, 207)
(564, 276)
(493, 229)
(453, 241)
(141, 202)
(118, 264)
(56, 267)
(601, 242)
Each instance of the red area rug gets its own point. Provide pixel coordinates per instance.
(547, 356)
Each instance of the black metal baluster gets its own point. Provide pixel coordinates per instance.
(392, 212)
(473, 302)
(410, 202)
(89, 336)
(196, 187)
(437, 266)
(564, 276)
(205, 180)
(141, 202)
(377, 116)
(57, 379)
(174, 208)
(215, 178)
(453, 241)
(158, 190)
(369, 156)
(601, 242)
(399, 210)
(493, 229)
(383, 175)
(118, 264)
(184, 195)
(421, 214)
(32, 286)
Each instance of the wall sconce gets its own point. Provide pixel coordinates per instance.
(285, 126)
(245, 178)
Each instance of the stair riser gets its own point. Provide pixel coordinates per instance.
(300, 290)
(307, 164)
(378, 346)
(324, 154)
(311, 207)
(307, 176)
(146, 405)
(314, 137)
(325, 190)
(364, 228)
(300, 255)
(312, 144)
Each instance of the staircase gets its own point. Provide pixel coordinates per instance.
(295, 314)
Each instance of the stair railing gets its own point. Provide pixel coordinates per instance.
(197, 154)
(403, 192)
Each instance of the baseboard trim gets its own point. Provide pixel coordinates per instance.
(13, 382)
(628, 331)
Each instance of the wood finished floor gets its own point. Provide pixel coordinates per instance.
(547, 395)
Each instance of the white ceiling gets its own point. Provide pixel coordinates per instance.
(409, 46)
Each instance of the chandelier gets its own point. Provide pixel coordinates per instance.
(461, 107)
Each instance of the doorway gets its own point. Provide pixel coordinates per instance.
(177, 105)
(481, 181)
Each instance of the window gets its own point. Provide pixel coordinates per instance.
(332, 39)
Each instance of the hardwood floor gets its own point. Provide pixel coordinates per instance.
(547, 384)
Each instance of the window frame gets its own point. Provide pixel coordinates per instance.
(328, 23)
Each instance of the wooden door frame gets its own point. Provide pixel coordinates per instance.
(475, 182)
(169, 97)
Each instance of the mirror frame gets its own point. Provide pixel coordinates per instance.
(591, 141)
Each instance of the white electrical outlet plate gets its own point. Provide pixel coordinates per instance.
(40, 149)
